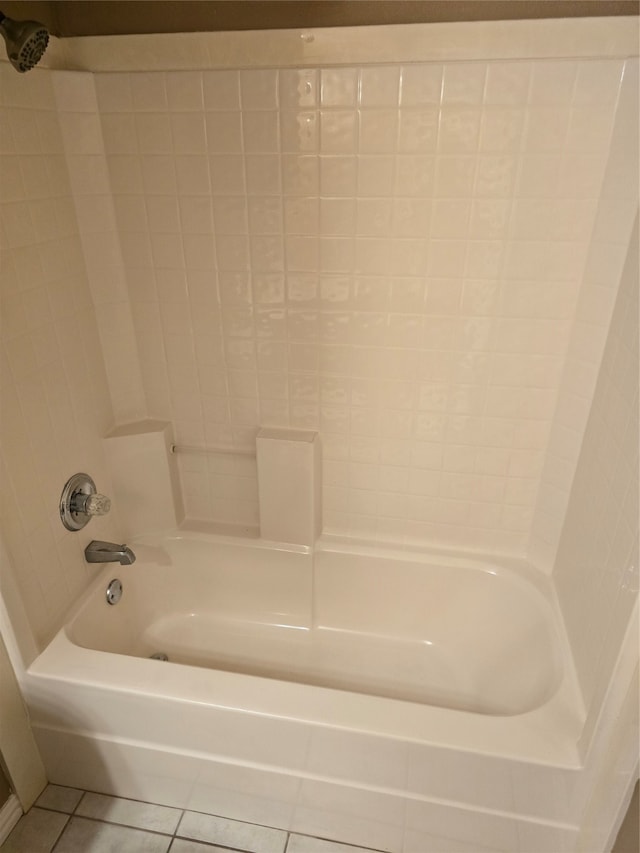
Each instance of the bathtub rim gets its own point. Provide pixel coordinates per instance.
(524, 737)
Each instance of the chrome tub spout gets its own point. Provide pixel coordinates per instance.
(108, 552)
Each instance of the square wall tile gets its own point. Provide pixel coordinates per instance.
(307, 233)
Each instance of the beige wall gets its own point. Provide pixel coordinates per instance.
(596, 570)
(390, 255)
(612, 232)
(628, 840)
(96, 17)
(55, 397)
(17, 745)
(5, 789)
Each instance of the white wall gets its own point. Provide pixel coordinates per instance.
(17, 745)
(55, 398)
(613, 230)
(392, 255)
(93, 201)
(597, 569)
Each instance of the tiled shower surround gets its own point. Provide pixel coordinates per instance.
(55, 395)
(419, 261)
(390, 255)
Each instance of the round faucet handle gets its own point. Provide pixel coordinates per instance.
(97, 505)
(90, 505)
(80, 501)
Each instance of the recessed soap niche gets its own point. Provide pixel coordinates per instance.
(147, 488)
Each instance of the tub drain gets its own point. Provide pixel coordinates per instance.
(159, 656)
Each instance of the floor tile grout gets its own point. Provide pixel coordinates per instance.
(61, 833)
(125, 825)
(173, 835)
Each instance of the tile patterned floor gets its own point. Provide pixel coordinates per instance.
(65, 820)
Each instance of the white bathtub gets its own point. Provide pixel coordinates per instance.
(396, 700)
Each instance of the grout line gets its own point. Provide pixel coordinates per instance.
(62, 832)
(181, 818)
(123, 825)
(206, 844)
(182, 814)
(175, 834)
(77, 805)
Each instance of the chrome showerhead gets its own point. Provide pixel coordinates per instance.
(26, 42)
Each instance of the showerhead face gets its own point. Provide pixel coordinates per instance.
(26, 42)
